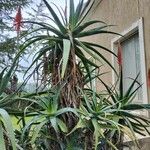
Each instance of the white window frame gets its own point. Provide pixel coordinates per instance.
(137, 26)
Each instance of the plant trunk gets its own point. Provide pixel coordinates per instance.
(70, 93)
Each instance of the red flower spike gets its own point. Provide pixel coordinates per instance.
(18, 20)
(148, 78)
(119, 55)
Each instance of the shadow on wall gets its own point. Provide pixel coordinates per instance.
(144, 144)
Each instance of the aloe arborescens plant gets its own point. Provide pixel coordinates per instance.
(62, 48)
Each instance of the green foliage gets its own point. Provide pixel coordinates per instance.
(5, 120)
(94, 117)
(69, 28)
(105, 118)
(7, 5)
(46, 115)
(69, 114)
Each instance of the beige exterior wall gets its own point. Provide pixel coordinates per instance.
(122, 13)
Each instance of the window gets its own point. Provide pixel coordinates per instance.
(132, 44)
(131, 64)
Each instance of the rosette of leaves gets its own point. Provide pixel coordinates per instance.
(95, 121)
(45, 123)
(122, 104)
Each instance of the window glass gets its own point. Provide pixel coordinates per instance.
(131, 64)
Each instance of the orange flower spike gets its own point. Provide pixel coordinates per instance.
(148, 78)
(18, 20)
(119, 55)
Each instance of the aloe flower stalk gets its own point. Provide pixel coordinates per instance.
(18, 20)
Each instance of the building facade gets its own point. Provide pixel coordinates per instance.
(131, 19)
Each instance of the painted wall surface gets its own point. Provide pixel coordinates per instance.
(122, 13)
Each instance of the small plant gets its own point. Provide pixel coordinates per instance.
(46, 116)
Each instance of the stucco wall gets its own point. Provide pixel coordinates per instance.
(143, 143)
(122, 13)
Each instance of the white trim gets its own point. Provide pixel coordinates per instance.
(137, 26)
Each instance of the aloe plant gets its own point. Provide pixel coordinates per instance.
(96, 120)
(62, 47)
(122, 105)
(61, 56)
(46, 115)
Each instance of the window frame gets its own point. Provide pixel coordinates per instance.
(135, 27)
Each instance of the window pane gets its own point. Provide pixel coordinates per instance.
(131, 63)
